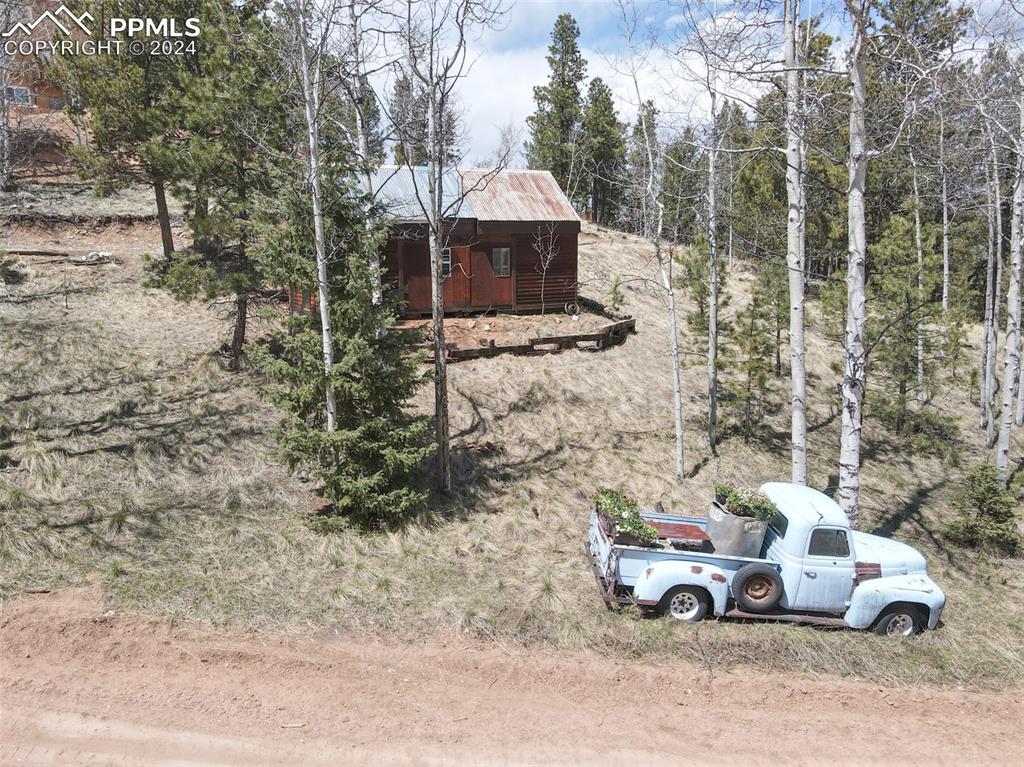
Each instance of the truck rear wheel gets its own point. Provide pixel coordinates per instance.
(900, 621)
(685, 603)
(757, 587)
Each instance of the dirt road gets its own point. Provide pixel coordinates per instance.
(80, 686)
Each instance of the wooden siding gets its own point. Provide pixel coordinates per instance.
(406, 264)
(560, 282)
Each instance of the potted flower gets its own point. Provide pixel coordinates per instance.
(737, 525)
(722, 492)
(622, 518)
(750, 504)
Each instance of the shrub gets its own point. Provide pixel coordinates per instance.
(985, 512)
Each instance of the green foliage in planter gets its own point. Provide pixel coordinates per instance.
(985, 512)
(723, 490)
(622, 510)
(743, 502)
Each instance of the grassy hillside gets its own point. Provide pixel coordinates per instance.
(130, 452)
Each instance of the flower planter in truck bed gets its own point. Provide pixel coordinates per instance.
(735, 536)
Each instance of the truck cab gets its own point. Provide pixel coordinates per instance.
(826, 567)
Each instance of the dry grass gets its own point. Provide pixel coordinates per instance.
(134, 454)
(76, 201)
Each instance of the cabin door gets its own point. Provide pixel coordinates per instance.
(414, 260)
(456, 285)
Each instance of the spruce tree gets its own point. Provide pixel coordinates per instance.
(555, 140)
(371, 466)
(605, 147)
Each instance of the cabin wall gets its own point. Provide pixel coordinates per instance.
(406, 265)
(558, 285)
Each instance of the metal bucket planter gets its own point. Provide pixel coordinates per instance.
(735, 536)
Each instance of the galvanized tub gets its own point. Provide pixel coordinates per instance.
(735, 536)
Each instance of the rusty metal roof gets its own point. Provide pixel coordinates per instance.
(508, 195)
(516, 195)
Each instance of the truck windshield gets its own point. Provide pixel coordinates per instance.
(778, 523)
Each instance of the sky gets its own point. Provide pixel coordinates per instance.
(510, 61)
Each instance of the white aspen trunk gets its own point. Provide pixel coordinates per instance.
(435, 187)
(945, 221)
(921, 398)
(1011, 347)
(713, 281)
(6, 170)
(665, 273)
(361, 136)
(6, 140)
(732, 208)
(854, 355)
(794, 262)
(311, 100)
(993, 348)
(1019, 418)
(988, 338)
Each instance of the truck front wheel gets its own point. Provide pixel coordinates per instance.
(900, 621)
(685, 603)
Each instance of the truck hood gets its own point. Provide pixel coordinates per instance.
(894, 557)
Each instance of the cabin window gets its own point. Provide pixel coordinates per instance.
(16, 94)
(828, 543)
(501, 261)
(446, 262)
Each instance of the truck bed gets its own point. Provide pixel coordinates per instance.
(618, 565)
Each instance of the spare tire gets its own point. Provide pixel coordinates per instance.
(757, 587)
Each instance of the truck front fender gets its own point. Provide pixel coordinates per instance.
(872, 596)
(658, 577)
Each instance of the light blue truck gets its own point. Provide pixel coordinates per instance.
(812, 568)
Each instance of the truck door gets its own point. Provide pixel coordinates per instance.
(827, 578)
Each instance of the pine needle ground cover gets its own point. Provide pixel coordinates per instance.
(128, 451)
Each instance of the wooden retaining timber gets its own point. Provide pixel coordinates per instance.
(610, 335)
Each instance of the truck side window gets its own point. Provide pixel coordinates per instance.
(828, 543)
(779, 523)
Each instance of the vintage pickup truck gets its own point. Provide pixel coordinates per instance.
(813, 568)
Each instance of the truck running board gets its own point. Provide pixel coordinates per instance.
(817, 620)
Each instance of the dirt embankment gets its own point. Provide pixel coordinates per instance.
(82, 686)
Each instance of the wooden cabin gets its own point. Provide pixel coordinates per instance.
(513, 240)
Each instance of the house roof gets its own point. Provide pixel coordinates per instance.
(404, 192)
(508, 195)
(517, 195)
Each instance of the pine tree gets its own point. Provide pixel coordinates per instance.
(604, 142)
(408, 109)
(371, 465)
(683, 186)
(367, 101)
(748, 361)
(898, 316)
(635, 203)
(555, 143)
(129, 102)
(232, 126)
